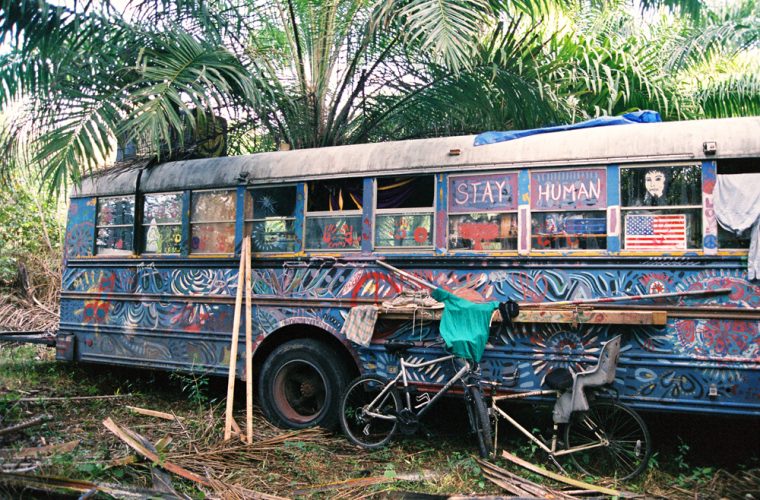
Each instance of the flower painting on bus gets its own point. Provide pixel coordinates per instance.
(569, 189)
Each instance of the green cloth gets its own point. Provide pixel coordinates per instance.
(464, 324)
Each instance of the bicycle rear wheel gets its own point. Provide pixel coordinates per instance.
(365, 430)
(629, 446)
(480, 422)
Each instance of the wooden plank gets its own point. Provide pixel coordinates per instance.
(571, 316)
(248, 345)
(558, 477)
(233, 350)
(153, 413)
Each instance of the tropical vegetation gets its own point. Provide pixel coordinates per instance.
(79, 78)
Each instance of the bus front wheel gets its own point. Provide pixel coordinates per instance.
(301, 384)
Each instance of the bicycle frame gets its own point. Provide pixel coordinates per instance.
(403, 376)
(550, 450)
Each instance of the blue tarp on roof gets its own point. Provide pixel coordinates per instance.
(644, 116)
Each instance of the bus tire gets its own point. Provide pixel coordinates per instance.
(301, 385)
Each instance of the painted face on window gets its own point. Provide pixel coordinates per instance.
(654, 181)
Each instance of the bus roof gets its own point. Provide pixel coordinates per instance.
(625, 144)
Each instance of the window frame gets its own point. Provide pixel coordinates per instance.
(294, 218)
(404, 211)
(606, 235)
(179, 224)
(190, 222)
(662, 208)
(473, 173)
(118, 253)
(323, 214)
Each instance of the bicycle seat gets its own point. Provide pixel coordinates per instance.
(395, 346)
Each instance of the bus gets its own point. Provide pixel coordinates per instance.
(152, 253)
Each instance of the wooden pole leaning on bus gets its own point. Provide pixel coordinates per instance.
(248, 346)
(228, 419)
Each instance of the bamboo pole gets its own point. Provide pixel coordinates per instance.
(601, 300)
(248, 345)
(607, 300)
(233, 350)
(410, 277)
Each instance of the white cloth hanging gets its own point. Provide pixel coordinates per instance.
(737, 208)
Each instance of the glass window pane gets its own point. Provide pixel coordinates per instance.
(209, 206)
(729, 239)
(584, 189)
(116, 210)
(162, 239)
(582, 230)
(405, 192)
(483, 231)
(404, 230)
(213, 238)
(114, 240)
(475, 193)
(335, 195)
(662, 229)
(162, 208)
(272, 235)
(661, 186)
(274, 202)
(333, 233)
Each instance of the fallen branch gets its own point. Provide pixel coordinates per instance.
(363, 482)
(518, 485)
(26, 423)
(126, 436)
(39, 451)
(558, 477)
(154, 413)
(57, 485)
(71, 398)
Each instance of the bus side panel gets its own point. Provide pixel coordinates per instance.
(179, 318)
(690, 364)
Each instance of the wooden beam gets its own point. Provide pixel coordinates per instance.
(560, 315)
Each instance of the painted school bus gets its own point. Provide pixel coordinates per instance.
(151, 259)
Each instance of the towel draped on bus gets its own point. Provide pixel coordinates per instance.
(464, 325)
(737, 208)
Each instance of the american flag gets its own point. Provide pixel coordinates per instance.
(655, 232)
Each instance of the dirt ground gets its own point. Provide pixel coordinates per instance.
(70, 450)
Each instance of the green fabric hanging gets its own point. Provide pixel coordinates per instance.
(464, 324)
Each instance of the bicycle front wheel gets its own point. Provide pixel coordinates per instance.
(481, 423)
(366, 419)
(626, 443)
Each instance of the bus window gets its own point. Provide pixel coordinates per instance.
(334, 214)
(162, 223)
(404, 216)
(270, 219)
(728, 239)
(212, 222)
(661, 207)
(482, 212)
(116, 216)
(568, 209)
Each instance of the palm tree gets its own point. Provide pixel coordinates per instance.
(307, 73)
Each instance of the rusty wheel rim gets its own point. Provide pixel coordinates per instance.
(299, 391)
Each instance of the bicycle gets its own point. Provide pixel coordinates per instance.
(372, 410)
(602, 437)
